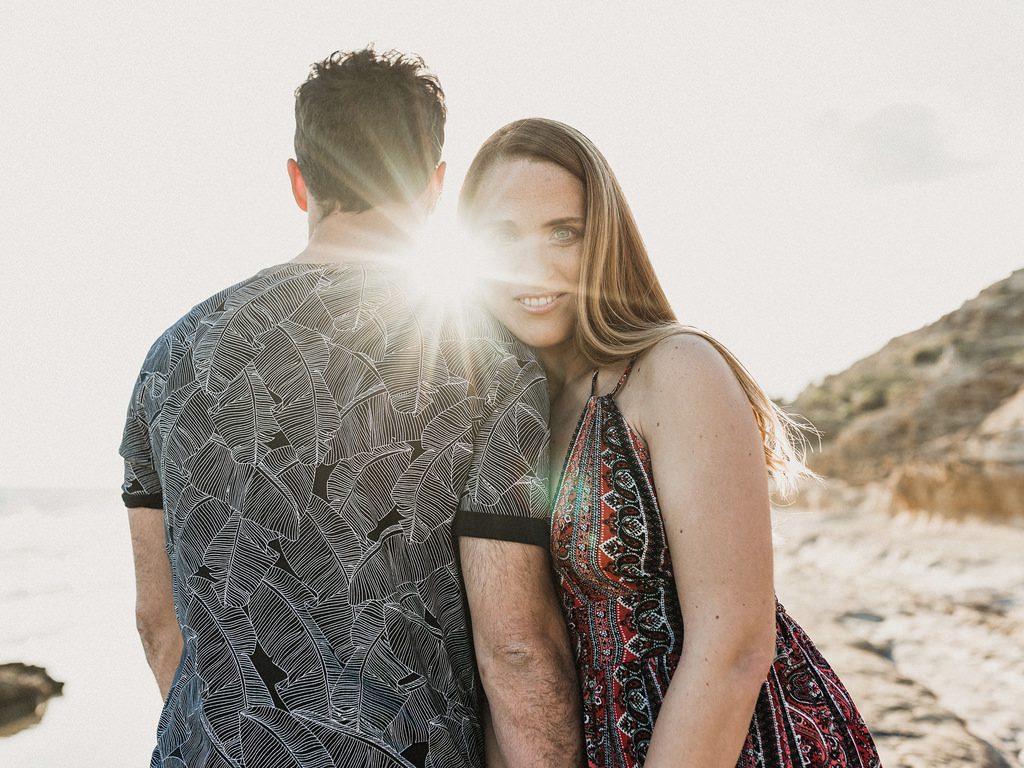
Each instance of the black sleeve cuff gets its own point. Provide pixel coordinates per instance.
(522, 530)
(151, 500)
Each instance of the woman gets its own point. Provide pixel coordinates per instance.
(636, 397)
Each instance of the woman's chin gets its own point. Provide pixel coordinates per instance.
(540, 342)
(533, 331)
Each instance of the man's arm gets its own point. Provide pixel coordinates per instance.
(154, 599)
(493, 755)
(523, 654)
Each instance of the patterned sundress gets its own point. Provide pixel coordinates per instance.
(619, 599)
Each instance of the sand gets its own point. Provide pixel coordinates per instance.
(923, 618)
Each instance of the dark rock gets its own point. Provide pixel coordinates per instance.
(24, 691)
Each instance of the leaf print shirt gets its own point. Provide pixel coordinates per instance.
(317, 439)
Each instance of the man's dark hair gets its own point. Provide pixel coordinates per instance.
(369, 129)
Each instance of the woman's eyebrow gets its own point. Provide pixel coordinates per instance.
(564, 220)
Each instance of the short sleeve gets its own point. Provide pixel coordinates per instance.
(506, 495)
(141, 487)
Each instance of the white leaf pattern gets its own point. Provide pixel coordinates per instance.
(237, 559)
(320, 557)
(273, 739)
(427, 489)
(244, 417)
(198, 518)
(249, 311)
(312, 436)
(225, 642)
(292, 364)
(289, 635)
(351, 749)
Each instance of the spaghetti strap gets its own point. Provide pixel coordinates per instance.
(623, 377)
(618, 386)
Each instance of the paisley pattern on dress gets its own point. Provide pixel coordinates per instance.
(619, 599)
(310, 434)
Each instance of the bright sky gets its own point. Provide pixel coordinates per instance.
(812, 178)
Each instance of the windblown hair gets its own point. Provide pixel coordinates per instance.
(369, 129)
(621, 307)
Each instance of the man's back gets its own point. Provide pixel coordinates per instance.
(310, 433)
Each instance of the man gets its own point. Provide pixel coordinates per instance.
(326, 483)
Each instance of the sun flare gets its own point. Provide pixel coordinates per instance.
(446, 266)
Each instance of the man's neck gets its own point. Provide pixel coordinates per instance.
(379, 234)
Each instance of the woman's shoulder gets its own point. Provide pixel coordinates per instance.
(686, 374)
(686, 356)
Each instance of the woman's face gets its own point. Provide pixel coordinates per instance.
(530, 216)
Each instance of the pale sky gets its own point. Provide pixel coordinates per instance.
(812, 178)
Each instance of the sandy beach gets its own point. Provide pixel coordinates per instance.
(922, 617)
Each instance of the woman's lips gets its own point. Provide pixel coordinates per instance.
(538, 303)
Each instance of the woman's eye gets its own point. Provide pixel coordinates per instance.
(502, 236)
(565, 234)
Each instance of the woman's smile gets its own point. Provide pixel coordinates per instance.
(538, 304)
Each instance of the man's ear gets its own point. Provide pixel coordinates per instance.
(435, 185)
(298, 185)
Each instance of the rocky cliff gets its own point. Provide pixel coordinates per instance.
(936, 415)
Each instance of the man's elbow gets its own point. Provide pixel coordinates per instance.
(155, 626)
(524, 656)
(521, 653)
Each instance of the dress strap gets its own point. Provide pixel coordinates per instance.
(623, 377)
(618, 386)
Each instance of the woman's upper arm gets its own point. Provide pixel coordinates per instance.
(712, 481)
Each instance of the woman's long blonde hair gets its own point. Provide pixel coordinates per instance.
(621, 307)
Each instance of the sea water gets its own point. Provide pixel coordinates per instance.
(67, 604)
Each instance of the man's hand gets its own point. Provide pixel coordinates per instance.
(523, 653)
(154, 599)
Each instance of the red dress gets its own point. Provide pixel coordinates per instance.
(619, 599)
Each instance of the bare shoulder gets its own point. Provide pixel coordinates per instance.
(684, 379)
(685, 369)
(683, 354)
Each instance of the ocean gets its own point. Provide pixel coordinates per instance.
(67, 604)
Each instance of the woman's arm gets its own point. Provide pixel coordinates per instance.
(712, 481)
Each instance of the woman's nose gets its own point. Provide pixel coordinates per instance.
(535, 260)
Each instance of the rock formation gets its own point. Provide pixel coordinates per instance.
(937, 415)
(24, 691)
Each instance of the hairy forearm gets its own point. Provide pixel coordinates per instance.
(162, 643)
(522, 653)
(493, 756)
(706, 714)
(534, 706)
